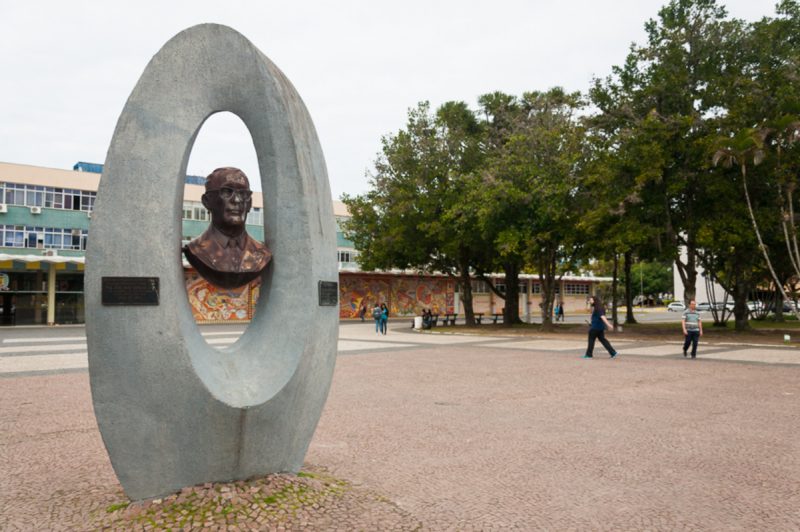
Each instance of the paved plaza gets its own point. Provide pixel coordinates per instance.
(464, 432)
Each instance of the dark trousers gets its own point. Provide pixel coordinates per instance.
(692, 337)
(595, 334)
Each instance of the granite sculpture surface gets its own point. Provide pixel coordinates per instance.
(173, 410)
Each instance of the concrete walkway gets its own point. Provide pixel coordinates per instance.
(30, 351)
(460, 432)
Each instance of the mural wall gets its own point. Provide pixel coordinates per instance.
(405, 296)
(211, 304)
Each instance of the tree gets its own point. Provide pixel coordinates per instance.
(526, 195)
(411, 216)
(662, 99)
(762, 125)
(650, 278)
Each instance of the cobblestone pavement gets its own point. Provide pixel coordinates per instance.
(469, 435)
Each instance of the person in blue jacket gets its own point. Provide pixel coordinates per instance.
(598, 327)
(384, 318)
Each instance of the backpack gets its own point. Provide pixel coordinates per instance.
(376, 313)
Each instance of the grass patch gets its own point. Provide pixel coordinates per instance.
(276, 498)
(771, 323)
(118, 506)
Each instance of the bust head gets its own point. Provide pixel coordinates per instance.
(224, 254)
(228, 198)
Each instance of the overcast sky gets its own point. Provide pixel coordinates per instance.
(68, 67)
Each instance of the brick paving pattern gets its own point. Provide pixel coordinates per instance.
(458, 437)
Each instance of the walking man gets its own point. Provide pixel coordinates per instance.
(692, 328)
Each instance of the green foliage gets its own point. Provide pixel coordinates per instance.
(651, 278)
(407, 219)
(527, 195)
(697, 122)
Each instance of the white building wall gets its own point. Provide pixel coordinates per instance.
(700, 285)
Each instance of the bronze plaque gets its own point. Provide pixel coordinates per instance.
(328, 293)
(130, 291)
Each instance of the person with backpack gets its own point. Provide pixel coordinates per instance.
(376, 315)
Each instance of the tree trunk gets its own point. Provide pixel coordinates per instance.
(628, 291)
(761, 245)
(466, 295)
(547, 275)
(614, 283)
(777, 300)
(740, 313)
(511, 310)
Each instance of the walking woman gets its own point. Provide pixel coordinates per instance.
(597, 330)
(384, 317)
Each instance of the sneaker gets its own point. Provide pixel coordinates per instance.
(684, 352)
(587, 356)
(614, 355)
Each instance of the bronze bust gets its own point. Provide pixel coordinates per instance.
(225, 255)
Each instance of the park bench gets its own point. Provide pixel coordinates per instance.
(495, 316)
(478, 317)
(451, 318)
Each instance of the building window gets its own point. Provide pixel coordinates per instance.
(18, 236)
(345, 256)
(479, 287)
(537, 288)
(500, 287)
(194, 210)
(576, 289)
(256, 216)
(50, 197)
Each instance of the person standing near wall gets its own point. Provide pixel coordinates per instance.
(692, 328)
(597, 328)
(384, 318)
(376, 315)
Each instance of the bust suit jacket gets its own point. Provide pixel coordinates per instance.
(228, 262)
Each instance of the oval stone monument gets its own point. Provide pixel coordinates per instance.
(174, 411)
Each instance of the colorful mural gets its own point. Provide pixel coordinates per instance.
(410, 296)
(353, 290)
(404, 296)
(213, 304)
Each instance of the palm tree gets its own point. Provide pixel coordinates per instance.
(746, 145)
(782, 134)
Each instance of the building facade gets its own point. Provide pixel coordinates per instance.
(44, 232)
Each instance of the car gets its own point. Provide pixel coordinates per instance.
(703, 307)
(755, 305)
(676, 306)
(719, 306)
(788, 306)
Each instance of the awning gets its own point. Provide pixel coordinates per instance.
(53, 259)
(57, 259)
